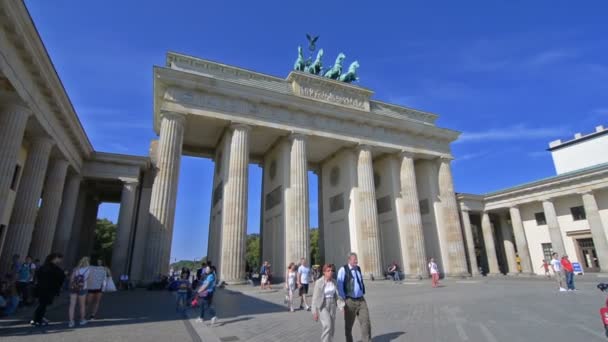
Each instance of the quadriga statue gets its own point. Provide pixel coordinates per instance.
(300, 64)
(316, 66)
(335, 71)
(351, 75)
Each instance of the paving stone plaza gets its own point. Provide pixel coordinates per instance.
(478, 309)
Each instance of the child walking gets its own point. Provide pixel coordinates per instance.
(183, 285)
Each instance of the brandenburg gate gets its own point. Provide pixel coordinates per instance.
(385, 181)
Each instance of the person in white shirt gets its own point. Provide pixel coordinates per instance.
(303, 276)
(556, 266)
(434, 270)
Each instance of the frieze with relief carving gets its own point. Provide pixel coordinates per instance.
(330, 91)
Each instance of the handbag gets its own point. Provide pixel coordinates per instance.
(108, 285)
(203, 294)
(194, 302)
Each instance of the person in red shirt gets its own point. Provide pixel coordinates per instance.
(568, 273)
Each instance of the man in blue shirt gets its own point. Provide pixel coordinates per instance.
(205, 293)
(352, 289)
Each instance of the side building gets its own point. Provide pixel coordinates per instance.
(512, 230)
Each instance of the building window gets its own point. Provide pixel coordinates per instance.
(540, 219)
(15, 180)
(547, 251)
(578, 213)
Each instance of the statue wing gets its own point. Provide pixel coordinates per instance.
(309, 38)
(314, 40)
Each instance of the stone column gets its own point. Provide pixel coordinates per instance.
(488, 240)
(555, 232)
(468, 233)
(164, 194)
(597, 229)
(46, 222)
(234, 230)
(13, 118)
(368, 233)
(120, 251)
(520, 240)
(455, 261)
(66, 214)
(509, 246)
(87, 229)
(23, 218)
(297, 232)
(410, 232)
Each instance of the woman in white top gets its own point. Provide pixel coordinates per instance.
(291, 284)
(98, 276)
(78, 290)
(325, 300)
(434, 270)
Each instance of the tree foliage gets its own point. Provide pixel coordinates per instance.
(252, 252)
(105, 236)
(315, 250)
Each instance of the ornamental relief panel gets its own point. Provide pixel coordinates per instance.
(273, 114)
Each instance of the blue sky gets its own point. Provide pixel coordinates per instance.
(510, 75)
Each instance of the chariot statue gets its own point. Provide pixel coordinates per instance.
(316, 66)
(335, 71)
(351, 75)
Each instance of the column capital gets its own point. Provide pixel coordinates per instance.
(130, 183)
(514, 206)
(181, 118)
(585, 192)
(547, 199)
(239, 126)
(10, 100)
(297, 135)
(42, 140)
(362, 147)
(445, 158)
(406, 154)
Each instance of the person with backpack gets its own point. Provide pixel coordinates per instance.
(351, 289)
(78, 290)
(49, 280)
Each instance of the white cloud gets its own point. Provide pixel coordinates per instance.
(517, 132)
(469, 156)
(550, 57)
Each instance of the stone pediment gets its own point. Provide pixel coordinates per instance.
(329, 91)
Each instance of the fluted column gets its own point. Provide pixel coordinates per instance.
(164, 194)
(23, 218)
(520, 240)
(66, 214)
(455, 262)
(46, 222)
(13, 118)
(410, 231)
(297, 232)
(555, 233)
(234, 223)
(120, 251)
(468, 233)
(597, 229)
(488, 240)
(368, 232)
(509, 246)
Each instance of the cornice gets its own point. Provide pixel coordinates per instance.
(194, 86)
(44, 79)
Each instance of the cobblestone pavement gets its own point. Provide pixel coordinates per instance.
(461, 310)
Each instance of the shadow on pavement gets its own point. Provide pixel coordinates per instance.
(388, 337)
(137, 307)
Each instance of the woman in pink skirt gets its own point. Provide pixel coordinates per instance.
(434, 270)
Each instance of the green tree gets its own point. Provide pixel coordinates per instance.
(105, 236)
(252, 252)
(315, 251)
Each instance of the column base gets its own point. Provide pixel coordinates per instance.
(522, 275)
(494, 275)
(234, 282)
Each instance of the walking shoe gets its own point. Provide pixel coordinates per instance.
(199, 320)
(91, 317)
(32, 322)
(307, 308)
(561, 289)
(83, 322)
(213, 320)
(71, 324)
